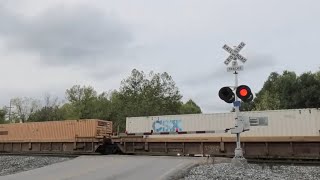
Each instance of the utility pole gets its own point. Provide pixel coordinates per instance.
(9, 111)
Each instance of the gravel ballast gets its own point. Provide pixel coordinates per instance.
(253, 172)
(15, 164)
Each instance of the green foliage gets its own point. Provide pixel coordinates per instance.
(142, 95)
(190, 107)
(102, 108)
(288, 91)
(3, 113)
(47, 114)
(248, 106)
(82, 99)
(69, 112)
(308, 94)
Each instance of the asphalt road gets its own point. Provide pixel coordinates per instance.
(110, 168)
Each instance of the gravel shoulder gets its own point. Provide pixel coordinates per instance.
(15, 164)
(252, 172)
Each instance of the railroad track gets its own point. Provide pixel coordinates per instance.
(285, 161)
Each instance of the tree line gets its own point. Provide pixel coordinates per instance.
(154, 94)
(287, 91)
(139, 95)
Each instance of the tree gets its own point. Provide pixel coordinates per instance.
(102, 108)
(307, 91)
(3, 113)
(118, 111)
(288, 91)
(152, 95)
(50, 101)
(49, 111)
(82, 99)
(139, 95)
(190, 107)
(145, 95)
(47, 114)
(24, 107)
(270, 96)
(69, 112)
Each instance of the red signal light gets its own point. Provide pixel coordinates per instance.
(243, 92)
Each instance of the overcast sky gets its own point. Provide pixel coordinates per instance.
(48, 46)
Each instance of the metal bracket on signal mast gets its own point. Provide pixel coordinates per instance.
(236, 103)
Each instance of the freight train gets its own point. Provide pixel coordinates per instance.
(289, 134)
(71, 136)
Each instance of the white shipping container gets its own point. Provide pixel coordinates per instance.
(293, 122)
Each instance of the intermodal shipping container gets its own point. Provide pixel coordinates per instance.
(293, 122)
(55, 131)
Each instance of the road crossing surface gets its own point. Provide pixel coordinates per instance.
(113, 167)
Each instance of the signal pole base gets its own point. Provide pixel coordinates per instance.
(238, 160)
(238, 153)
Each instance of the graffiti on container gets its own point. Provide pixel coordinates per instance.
(167, 125)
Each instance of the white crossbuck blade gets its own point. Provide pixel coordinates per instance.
(234, 53)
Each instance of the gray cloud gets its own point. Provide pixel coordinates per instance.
(256, 62)
(87, 46)
(259, 61)
(106, 73)
(64, 36)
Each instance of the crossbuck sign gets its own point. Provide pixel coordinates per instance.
(234, 55)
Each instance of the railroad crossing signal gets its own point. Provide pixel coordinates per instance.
(243, 92)
(234, 53)
(227, 95)
(235, 67)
